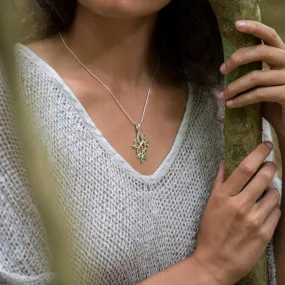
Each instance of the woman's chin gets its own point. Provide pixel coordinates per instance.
(124, 9)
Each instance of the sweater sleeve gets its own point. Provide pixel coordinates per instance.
(277, 183)
(23, 251)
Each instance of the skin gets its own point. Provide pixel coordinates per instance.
(117, 49)
(112, 38)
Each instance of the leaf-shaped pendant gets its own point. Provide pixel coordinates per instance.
(141, 145)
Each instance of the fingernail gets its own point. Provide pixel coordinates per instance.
(221, 95)
(269, 144)
(241, 24)
(230, 103)
(223, 68)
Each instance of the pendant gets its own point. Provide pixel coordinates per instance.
(141, 145)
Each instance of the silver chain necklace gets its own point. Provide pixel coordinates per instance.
(140, 144)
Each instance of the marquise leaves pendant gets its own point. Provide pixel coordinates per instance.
(141, 145)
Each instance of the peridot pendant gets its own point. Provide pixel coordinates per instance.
(141, 145)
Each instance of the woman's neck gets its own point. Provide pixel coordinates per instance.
(120, 49)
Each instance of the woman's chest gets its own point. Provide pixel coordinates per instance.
(159, 113)
(129, 226)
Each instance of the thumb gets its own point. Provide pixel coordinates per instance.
(220, 179)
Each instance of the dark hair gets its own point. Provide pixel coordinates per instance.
(186, 36)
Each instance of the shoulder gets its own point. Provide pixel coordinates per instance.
(46, 49)
(30, 76)
(32, 67)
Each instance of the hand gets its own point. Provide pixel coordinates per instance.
(266, 86)
(236, 225)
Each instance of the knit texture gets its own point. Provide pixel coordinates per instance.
(128, 226)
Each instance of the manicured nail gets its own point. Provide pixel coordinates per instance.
(269, 144)
(221, 95)
(241, 24)
(230, 103)
(223, 68)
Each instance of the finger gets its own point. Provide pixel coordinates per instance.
(261, 31)
(255, 188)
(244, 172)
(220, 176)
(270, 55)
(251, 80)
(267, 204)
(270, 224)
(274, 94)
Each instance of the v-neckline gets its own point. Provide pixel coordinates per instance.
(164, 166)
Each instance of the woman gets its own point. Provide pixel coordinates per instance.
(122, 97)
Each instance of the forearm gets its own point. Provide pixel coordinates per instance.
(279, 239)
(187, 272)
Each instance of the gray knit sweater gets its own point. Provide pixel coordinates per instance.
(128, 226)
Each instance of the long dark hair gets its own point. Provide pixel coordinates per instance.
(186, 36)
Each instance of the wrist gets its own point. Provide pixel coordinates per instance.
(186, 272)
(209, 277)
(217, 269)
